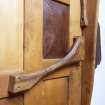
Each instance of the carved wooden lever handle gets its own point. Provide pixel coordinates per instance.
(22, 82)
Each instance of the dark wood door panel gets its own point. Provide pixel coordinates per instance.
(56, 29)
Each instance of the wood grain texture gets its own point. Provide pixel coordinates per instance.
(22, 82)
(11, 46)
(16, 100)
(33, 51)
(84, 18)
(33, 46)
(33, 60)
(5, 97)
(11, 35)
(33, 43)
(57, 90)
(46, 90)
(50, 92)
(4, 79)
(4, 82)
(75, 11)
(56, 29)
(75, 86)
(75, 29)
(88, 65)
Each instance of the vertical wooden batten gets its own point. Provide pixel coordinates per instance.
(75, 29)
(33, 44)
(88, 66)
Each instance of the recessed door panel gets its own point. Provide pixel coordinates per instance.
(55, 29)
(50, 92)
(11, 35)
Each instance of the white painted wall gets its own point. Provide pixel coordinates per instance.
(98, 97)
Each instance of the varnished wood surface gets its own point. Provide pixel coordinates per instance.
(33, 40)
(5, 98)
(88, 65)
(58, 89)
(11, 46)
(56, 29)
(33, 50)
(50, 92)
(75, 86)
(22, 82)
(11, 35)
(16, 100)
(4, 82)
(75, 14)
(4, 79)
(84, 18)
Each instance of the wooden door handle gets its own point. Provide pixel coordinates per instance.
(22, 82)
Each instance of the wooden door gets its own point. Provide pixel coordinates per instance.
(35, 34)
(49, 33)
